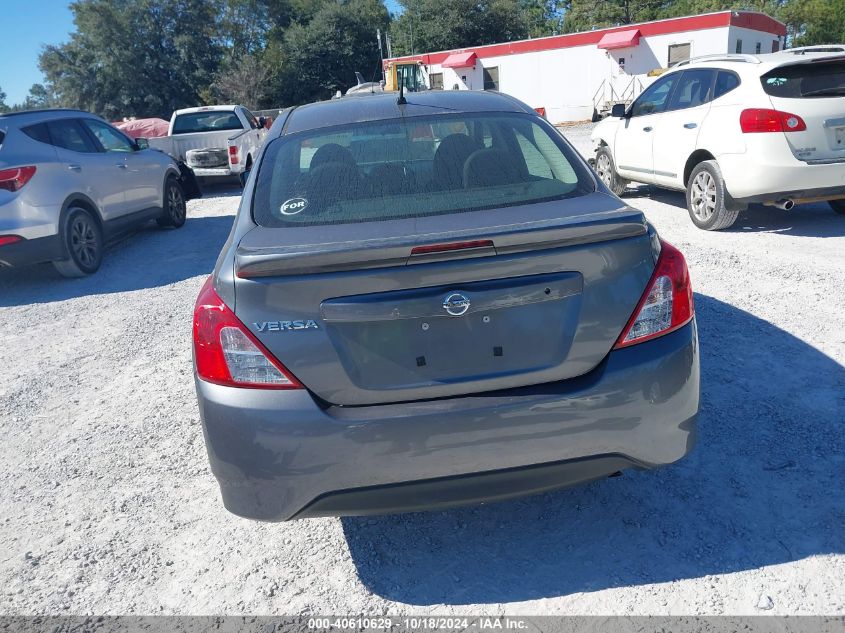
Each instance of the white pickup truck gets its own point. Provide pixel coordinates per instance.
(219, 140)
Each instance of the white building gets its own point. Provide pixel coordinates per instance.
(572, 76)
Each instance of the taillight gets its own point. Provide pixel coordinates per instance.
(233, 155)
(667, 302)
(756, 120)
(16, 177)
(10, 239)
(227, 353)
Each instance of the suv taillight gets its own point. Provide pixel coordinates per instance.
(755, 120)
(233, 155)
(227, 353)
(5, 240)
(15, 178)
(667, 303)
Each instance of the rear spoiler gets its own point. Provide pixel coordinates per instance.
(305, 259)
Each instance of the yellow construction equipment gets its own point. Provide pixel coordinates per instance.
(412, 74)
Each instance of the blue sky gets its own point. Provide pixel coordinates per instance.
(30, 25)
(26, 27)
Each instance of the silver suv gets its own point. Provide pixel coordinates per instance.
(69, 182)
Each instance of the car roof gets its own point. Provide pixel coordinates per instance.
(384, 106)
(762, 63)
(210, 108)
(25, 117)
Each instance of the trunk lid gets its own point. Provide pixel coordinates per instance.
(814, 90)
(362, 321)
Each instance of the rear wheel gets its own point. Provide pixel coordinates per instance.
(174, 205)
(709, 205)
(606, 171)
(837, 205)
(83, 241)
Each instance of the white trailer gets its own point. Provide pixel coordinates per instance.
(575, 76)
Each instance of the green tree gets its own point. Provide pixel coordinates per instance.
(244, 81)
(814, 21)
(3, 106)
(431, 25)
(584, 15)
(542, 17)
(317, 58)
(676, 8)
(244, 26)
(40, 96)
(136, 57)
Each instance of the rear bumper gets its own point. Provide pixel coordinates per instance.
(279, 455)
(216, 171)
(26, 252)
(766, 180)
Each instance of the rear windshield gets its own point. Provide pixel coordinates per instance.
(212, 121)
(413, 167)
(815, 79)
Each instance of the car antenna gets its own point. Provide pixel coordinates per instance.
(401, 100)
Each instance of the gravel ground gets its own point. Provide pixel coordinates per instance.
(109, 506)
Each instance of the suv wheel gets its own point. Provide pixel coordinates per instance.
(83, 241)
(175, 210)
(606, 171)
(708, 202)
(837, 205)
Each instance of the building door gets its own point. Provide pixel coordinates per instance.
(436, 80)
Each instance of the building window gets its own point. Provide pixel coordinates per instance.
(759, 48)
(678, 53)
(436, 81)
(491, 78)
(738, 46)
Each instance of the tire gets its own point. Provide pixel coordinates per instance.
(837, 205)
(175, 211)
(708, 202)
(606, 170)
(83, 242)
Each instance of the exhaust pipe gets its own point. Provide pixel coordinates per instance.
(785, 204)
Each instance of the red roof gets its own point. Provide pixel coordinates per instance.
(745, 19)
(619, 39)
(460, 60)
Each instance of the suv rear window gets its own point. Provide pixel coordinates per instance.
(413, 167)
(210, 121)
(814, 79)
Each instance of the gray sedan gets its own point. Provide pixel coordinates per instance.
(69, 182)
(434, 303)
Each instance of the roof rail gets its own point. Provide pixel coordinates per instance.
(41, 111)
(725, 57)
(822, 48)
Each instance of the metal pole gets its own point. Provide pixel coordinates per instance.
(380, 52)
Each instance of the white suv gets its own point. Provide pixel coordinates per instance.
(733, 130)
